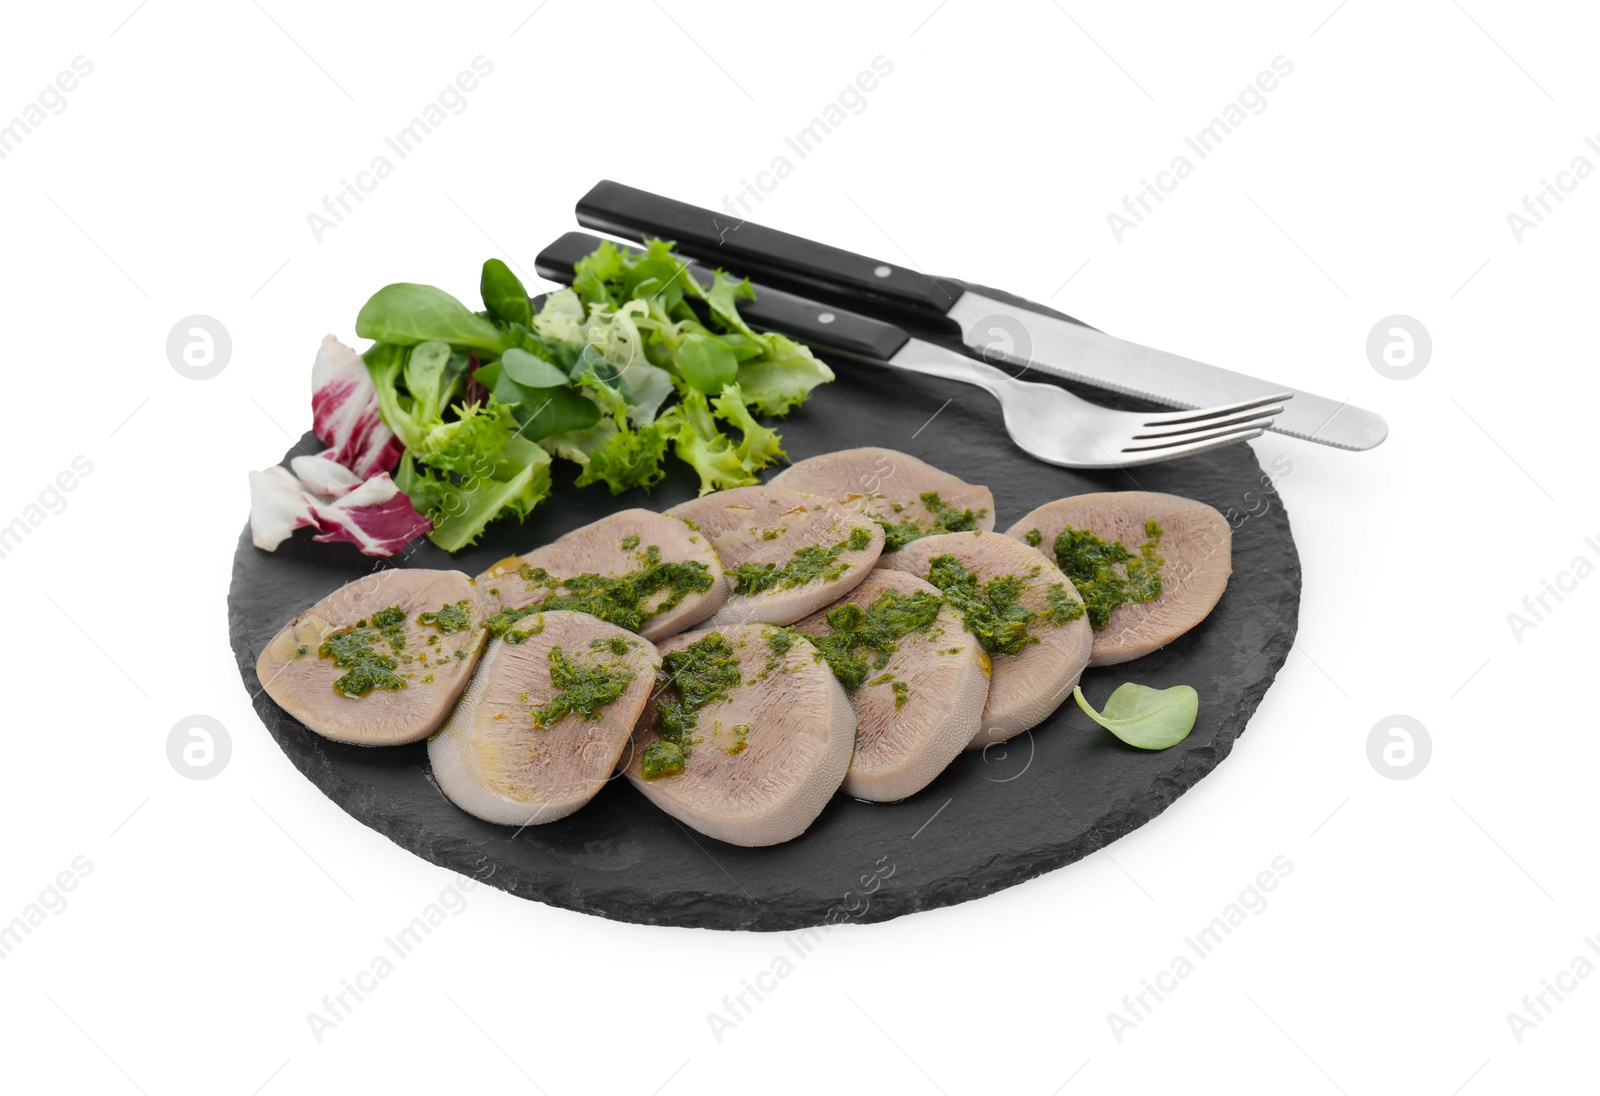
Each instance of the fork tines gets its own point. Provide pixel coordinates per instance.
(1184, 433)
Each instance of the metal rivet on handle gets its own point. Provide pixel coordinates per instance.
(825, 317)
(883, 272)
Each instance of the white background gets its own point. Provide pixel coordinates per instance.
(1377, 181)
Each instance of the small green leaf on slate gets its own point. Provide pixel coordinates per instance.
(1151, 719)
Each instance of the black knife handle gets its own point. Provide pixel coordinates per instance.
(773, 258)
(822, 326)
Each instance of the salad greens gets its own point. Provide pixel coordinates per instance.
(483, 402)
(1151, 719)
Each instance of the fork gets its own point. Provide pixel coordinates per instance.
(1045, 421)
(1053, 425)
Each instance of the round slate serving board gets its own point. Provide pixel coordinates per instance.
(991, 820)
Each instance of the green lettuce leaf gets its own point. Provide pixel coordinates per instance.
(725, 293)
(384, 362)
(706, 363)
(427, 374)
(781, 379)
(560, 318)
(698, 443)
(1151, 719)
(759, 447)
(629, 458)
(531, 372)
(720, 461)
(544, 411)
(468, 506)
(470, 444)
(620, 455)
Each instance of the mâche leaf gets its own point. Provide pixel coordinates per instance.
(531, 372)
(406, 314)
(503, 294)
(427, 378)
(706, 364)
(544, 411)
(1151, 719)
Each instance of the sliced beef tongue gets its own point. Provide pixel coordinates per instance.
(1195, 548)
(625, 543)
(919, 698)
(540, 729)
(787, 553)
(909, 496)
(1038, 643)
(747, 737)
(381, 660)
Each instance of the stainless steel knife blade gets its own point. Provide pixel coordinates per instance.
(1064, 349)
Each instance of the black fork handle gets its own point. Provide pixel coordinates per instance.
(775, 259)
(822, 326)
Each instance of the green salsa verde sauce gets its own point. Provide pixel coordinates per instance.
(992, 610)
(779, 641)
(944, 518)
(354, 650)
(1063, 607)
(701, 674)
(620, 601)
(616, 645)
(806, 565)
(1106, 574)
(503, 625)
(862, 640)
(449, 618)
(581, 689)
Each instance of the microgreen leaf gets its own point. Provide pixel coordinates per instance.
(1151, 719)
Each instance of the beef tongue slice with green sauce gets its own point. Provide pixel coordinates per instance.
(1149, 566)
(381, 660)
(541, 727)
(918, 681)
(787, 553)
(638, 569)
(747, 736)
(1023, 612)
(909, 497)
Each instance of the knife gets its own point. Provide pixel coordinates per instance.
(1059, 347)
(1040, 424)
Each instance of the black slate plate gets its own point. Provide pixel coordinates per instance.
(992, 820)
